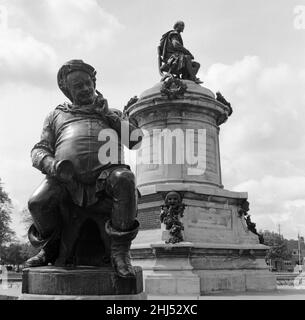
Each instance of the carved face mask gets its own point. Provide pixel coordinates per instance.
(172, 199)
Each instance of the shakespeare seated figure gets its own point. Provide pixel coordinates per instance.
(82, 181)
(174, 58)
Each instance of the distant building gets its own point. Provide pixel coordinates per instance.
(295, 257)
(289, 265)
(293, 247)
(279, 265)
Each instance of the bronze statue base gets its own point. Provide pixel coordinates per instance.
(139, 296)
(79, 281)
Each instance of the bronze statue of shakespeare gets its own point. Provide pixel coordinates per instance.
(174, 58)
(69, 154)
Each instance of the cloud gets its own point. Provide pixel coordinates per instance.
(276, 192)
(66, 24)
(23, 58)
(263, 142)
(36, 37)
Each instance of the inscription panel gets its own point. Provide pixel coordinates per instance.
(205, 217)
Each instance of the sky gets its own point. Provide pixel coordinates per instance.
(252, 51)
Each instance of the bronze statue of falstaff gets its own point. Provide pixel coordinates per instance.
(68, 154)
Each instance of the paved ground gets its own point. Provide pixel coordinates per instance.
(10, 290)
(281, 293)
(297, 292)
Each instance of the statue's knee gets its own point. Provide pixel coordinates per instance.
(33, 204)
(38, 201)
(124, 179)
(47, 195)
(196, 64)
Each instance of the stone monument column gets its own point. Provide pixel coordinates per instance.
(179, 121)
(181, 153)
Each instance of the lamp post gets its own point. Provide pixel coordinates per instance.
(299, 253)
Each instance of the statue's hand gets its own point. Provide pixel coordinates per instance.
(49, 166)
(61, 170)
(64, 171)
(103, 103)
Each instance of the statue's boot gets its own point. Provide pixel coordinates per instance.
(39, 260)
(49, 248)
(45, 256)
(120, 246)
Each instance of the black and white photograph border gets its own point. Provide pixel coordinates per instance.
(199, 191)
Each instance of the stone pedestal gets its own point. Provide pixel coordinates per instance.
(81, 283)
(190, 269)
(222, 252)
(196, 109)
(172, 273)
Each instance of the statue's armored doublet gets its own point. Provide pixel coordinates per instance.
(72, 134)
(77, 141)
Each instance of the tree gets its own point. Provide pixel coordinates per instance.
(12, 254)
(28, 251)
(278, 246)
(26, 217)
(17, 253)
(6, 233)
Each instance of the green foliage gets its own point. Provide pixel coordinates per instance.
(26, 217)
(12, 254)
(17, 253)
(278, 246)
(293, 244)
(6, 233)
(28, 251)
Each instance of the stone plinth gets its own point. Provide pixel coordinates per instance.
(211, 214)
(196, 110)
(172, 273)
(189, 126)
(200, 269)
(79, 282)
(222, 254)
(139, 296)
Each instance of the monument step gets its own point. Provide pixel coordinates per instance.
(79, 281)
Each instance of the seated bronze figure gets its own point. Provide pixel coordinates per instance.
(174, 58)
(84, 212)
